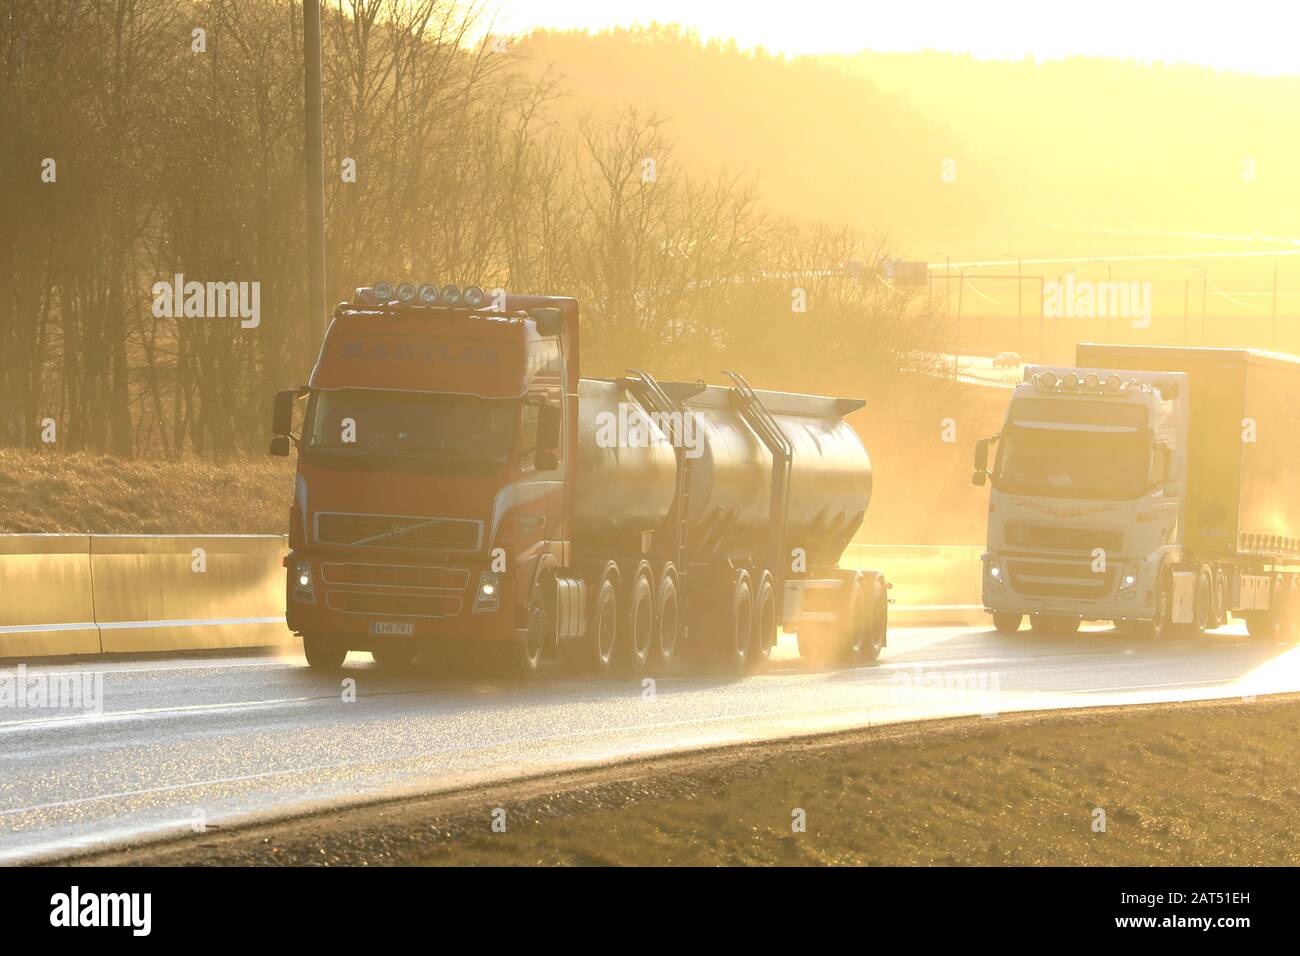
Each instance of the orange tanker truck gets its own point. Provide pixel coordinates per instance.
(460, 486)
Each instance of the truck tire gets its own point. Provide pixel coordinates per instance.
(593, 653)
(632, 649)
(1007, 622)
(1203, 603)
(877, 629)
(1157, 627)
(524, 658)
(1220, 597)
(855, 623)
(323, 653)
(668, 624)
(1269, 625)
(765, 623)
(735, 632)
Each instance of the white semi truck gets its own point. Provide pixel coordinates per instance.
(1154, 487)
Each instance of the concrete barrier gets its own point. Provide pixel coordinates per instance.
(47, 603)
(91, 594)
(932, 584)
(164, 593)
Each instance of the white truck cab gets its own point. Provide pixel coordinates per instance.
(1086, 499)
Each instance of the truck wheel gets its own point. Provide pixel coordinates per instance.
(323, 653)
(1268, 625)
(667, 626)
(395, 657)
(632, 648)
(1220, 597)
(765, 623)
(877, 630)
(855, 623)
(1203, 603)
(1007, 622)
(524, 658)
(735, 633)
(1156, 628)
(593, 653)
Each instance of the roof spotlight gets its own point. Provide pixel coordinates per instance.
(451, 295)
(1046, 379)
(428, 294)
(474, 296)
(1090, 380)
(1069, 380)
(405, 293)
(383, 291)
(1113, 382)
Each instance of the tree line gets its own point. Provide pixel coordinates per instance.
(147, 139)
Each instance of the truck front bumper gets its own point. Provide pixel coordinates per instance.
(1070, 585)
(367, 602)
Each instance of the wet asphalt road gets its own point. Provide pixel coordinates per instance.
(209, 741)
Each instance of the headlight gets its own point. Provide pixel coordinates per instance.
(488, 597)
(1128, 578)
(304, 589)
(993, 574)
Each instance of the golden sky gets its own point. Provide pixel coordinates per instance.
(1256, 36)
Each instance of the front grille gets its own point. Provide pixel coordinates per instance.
(408, 532)
(395, 576)
(1059, 579)
(1064, 539)
(393, 605)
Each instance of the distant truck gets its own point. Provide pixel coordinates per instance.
(1148, 486)
(459, 485)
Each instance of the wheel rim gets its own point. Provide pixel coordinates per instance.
(668, 626)
(744, 622)
(857, 624)
(606, 631)
(879, 625)
(533, 642)
(642, 631)
(767, 626)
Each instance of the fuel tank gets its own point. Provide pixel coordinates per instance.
(626, 471)
(729, 501)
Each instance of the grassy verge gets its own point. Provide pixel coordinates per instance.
(1213, 783)
(106, 495)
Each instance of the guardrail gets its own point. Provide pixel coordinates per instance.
(111, 594)
(108, 594)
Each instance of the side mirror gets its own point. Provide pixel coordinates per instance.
(280, 446)
(550, 320)
(282, 412)
(981, 462)
(549, 423)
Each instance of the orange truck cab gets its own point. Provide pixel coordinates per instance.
(430, 463)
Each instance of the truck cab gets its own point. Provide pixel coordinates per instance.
(1086, 495)
(433, 437)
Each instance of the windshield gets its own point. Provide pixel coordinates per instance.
(442, 429)
(1071, 450)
